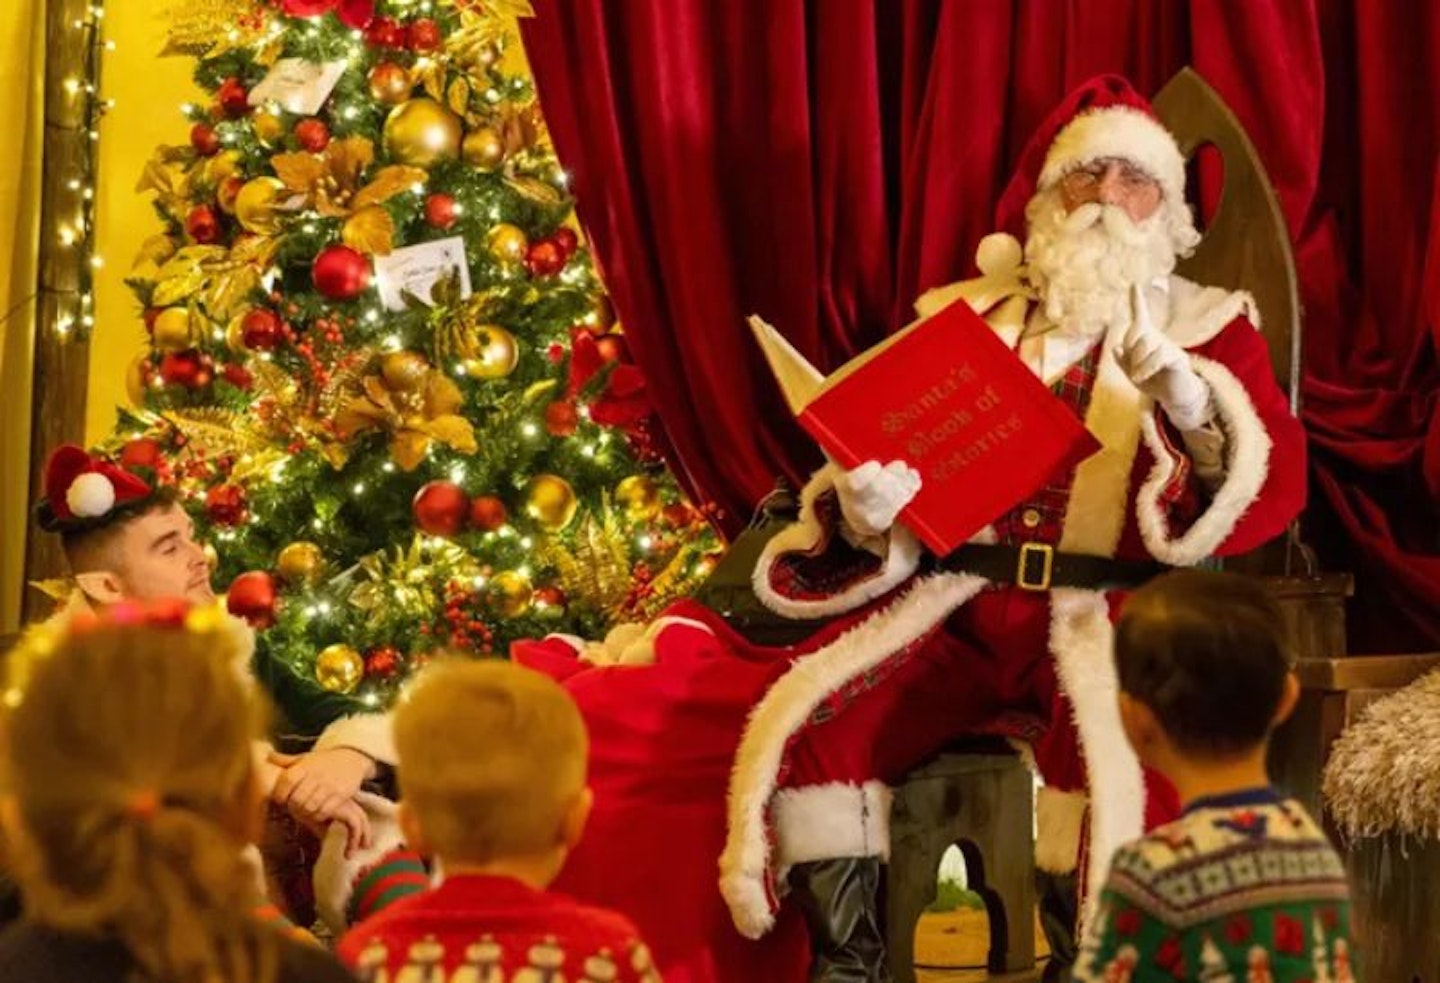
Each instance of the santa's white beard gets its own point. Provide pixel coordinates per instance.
(1084, 263)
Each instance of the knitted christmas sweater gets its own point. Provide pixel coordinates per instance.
(1243, 888)
(480, 929)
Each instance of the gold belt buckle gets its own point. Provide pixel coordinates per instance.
(1047, 564)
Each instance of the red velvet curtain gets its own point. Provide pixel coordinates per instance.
(821, 162)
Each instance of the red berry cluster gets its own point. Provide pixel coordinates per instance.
(465, 629)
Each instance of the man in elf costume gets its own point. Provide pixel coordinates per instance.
(126, 538)
(1200, 456)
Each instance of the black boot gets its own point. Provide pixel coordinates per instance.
(1059, 901)
(839, 901)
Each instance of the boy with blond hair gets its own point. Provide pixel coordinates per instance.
(1244, 885)
(493, 790)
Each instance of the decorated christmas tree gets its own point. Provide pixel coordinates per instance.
(383, 372)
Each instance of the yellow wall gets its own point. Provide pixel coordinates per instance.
(148, 91)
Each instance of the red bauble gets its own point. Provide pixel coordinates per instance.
(142, 452)
(555, 353)
(549, 596)
(185, 368)
(262, 330)
(355, 14)
(487, 513)
(440, 508)
(561, 418)
(546, 257)
(204, 139)
(440, 211)
(384, 32)
(613, 348)
(382, 662)
(237, 375)
(566, 239)
(340, 272)
(225, 505)
(233, 98)
(306, 8)
(203, 225)
(252, 597)
(424, 35)
(312, 134)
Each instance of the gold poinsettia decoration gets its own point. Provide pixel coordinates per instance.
(411, 579)
(219, 278)
(210, 29)
(415, 416)
(334, 183)
(169, 173)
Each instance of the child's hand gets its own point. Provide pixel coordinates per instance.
(320, 788)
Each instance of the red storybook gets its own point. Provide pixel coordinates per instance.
(948, 397)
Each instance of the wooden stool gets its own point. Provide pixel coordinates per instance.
(982, 800)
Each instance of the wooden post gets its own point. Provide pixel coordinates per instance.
(62, 348)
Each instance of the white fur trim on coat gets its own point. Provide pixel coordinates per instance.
(837, 819)
(783, 711)
(1247, 461)
(900, 562)
(1117, 131)
(335, 874)
(1060, 825)
(1081, 638)
(369, 733)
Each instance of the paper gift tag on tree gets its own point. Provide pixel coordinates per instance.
(297, 85)
(949, 398)
(416, 270)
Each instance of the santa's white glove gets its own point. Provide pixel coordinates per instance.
(1161, 369)
(871, 496)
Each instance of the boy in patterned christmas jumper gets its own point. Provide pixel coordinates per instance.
(1244, 887)
(492, 778)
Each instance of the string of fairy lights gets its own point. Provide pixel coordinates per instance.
(75, 228)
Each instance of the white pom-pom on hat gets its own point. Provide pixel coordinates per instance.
(90, 495)
(998, 253)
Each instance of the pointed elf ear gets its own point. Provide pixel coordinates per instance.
(101, 586)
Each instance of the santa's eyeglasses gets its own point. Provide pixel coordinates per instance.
(1090, 176)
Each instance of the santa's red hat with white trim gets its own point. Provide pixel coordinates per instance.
(1105, 117)
(84, 491)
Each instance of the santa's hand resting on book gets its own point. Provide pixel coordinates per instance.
(872, 495)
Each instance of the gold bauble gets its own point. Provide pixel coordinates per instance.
(507, 243)
(300, 563)
(390, 83)
(212, 558)
(550, 501)
(510, 593)
(404, 371)
(255, 205)
(172, 330)
(640, 497)
(136, 384)
(339, 668)
(422, 132)
(269, 128)
(483, 148)
(497, 358)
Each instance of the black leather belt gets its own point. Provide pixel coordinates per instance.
(1039, 567)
